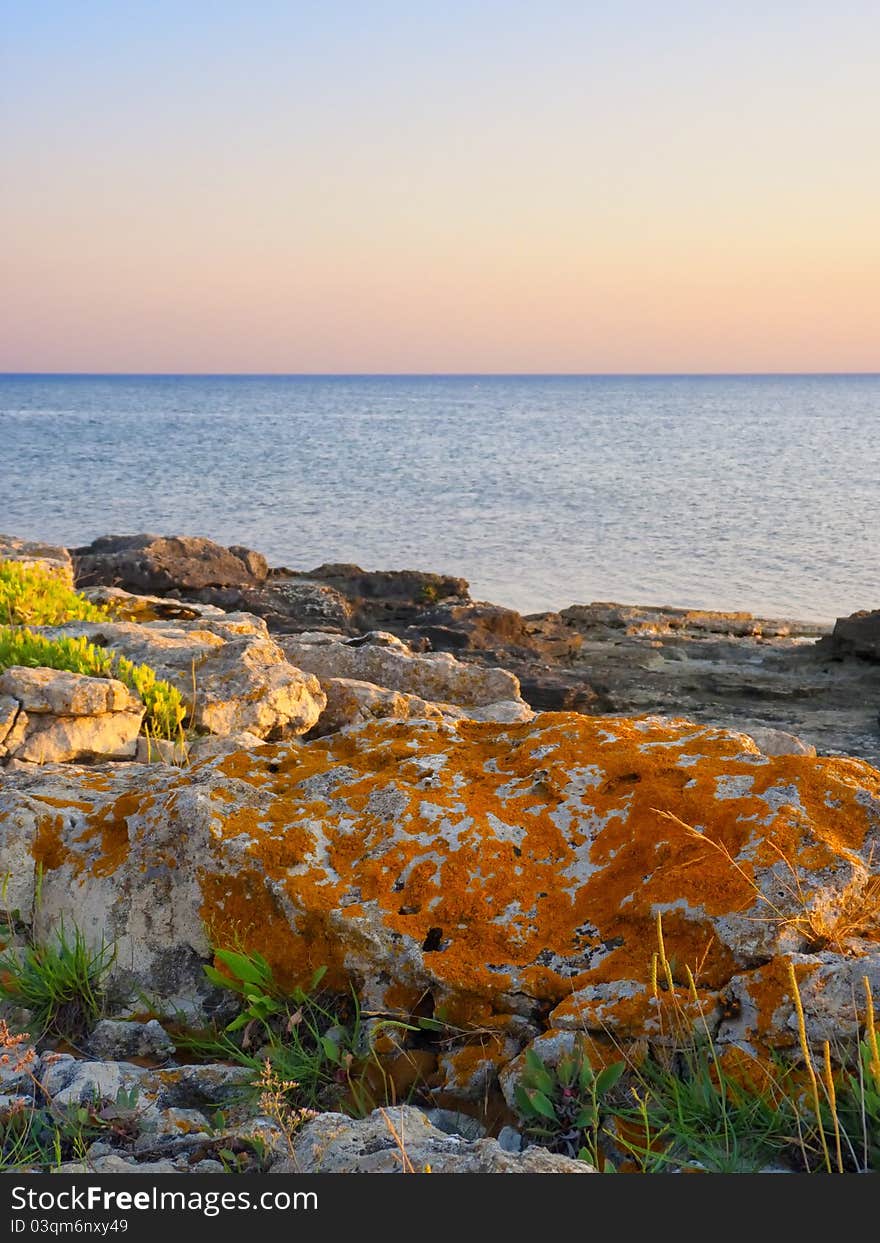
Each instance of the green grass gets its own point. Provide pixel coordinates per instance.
(36, 596)
(164, 703)
(61, 983)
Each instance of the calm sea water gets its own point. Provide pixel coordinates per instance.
(758, 493)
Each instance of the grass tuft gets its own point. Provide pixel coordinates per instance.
(60, 983)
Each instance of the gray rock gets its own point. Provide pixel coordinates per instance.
(510, 1139)
(69, 1081)
(118, 1039)
(451, 1122)
(402, 1140)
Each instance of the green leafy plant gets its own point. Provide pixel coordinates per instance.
(61, 983)
(164, 703)
(564, 1107)
(314, 1043)
(33, 595)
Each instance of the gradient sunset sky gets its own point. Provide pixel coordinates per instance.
(626, 186)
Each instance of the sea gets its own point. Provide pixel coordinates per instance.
(757, 493)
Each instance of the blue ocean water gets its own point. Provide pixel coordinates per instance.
(758, 493)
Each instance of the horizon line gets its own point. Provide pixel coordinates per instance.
(431, 375)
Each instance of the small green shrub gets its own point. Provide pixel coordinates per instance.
(313, 1044)
(164, 703)
(37, 596)
(563, 1107)
(60, 983)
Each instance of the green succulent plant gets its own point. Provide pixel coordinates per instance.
(562, 1106)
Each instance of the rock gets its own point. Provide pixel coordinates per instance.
(175, 1123)
(65, 716)
(293, 605)
(778, 742)
(30, 553)
(548, 690)
(212, 745)
(233, 675)
(650, 621)
(378, 598)
(161, 751)
(18, 1074)
(737, 671)
(67, 1080)
(115, 1040)
(438, 678)
(9, 709)
(124, 606)
(350, 702)
(70, 1081)
(115, 1164)
(475, 626)
(510, 1139)
(759, 1004)
(65, 694)
(451, 1122)
(857, 635)
(500, 870)
(399, 1140)
(158, 565)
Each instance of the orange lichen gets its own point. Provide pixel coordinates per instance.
(501, 867)
(493, 910)
(49, 849)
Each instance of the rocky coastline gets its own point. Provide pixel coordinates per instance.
(492, 831)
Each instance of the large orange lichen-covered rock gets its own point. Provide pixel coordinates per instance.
(499, 868)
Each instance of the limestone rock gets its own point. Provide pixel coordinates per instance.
(9, 709)
(65, 716)
(351, 702)
(291, 605)
(113, 1040)
(437, 677)
(499, 868)
(125, 606)
(760, 1009)
(237, 678)
(778, 742)
(211, 745)
(381, 598)
(402, 1140)
(65, 694)
(161, 751)
(112, 1163)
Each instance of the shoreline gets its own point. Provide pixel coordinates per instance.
(266, 805)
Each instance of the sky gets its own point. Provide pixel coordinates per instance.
(626, 186)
